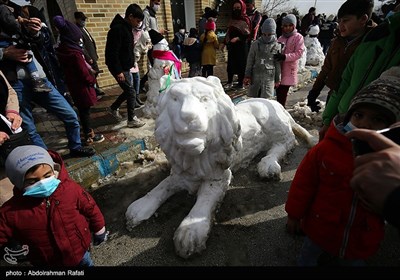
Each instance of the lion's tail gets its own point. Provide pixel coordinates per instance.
(301, 132)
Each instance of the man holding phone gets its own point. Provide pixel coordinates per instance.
(376, 177)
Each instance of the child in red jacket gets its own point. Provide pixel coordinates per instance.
(339, 229)
(50, 215)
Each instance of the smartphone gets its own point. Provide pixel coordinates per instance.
(361, 147)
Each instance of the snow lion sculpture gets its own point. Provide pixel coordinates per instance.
(204, 135)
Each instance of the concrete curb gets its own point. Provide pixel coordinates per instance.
(90, 171)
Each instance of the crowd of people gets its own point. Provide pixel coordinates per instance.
(339, 205)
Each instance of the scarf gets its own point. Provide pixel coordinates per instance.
(168, 55)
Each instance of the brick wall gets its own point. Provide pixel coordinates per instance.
(101, 12)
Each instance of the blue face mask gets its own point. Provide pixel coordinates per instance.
(349, 127)
(43, 188)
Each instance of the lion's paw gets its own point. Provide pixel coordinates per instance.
(191, 236)
(140, 210)
(269, 169)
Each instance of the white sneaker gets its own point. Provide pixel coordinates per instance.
(135, 123)
(228, 86)
(115, 114)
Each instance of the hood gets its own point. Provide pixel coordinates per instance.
(189, 41)
(117, 20)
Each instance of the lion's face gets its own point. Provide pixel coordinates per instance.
(195, 115)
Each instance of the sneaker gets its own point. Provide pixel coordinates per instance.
(92, 138)
(228, 86)
(82, 152)
(39, 85)
(238, 87)
(138, 101)
(115, 114)
(135, 123)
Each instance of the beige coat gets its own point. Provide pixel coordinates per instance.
(12, 101)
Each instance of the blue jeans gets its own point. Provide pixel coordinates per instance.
(54, 103)
(136, 82)
(86, 260)
(311, 255)
(128, 94)
(29, 66)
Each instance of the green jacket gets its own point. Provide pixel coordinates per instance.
(379, 51)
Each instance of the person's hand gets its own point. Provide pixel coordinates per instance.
(277, 84)
(16, 54)
(279, 57)
(3, 137)
(100, 238)
(375, 174)
(120, 78)
(33, 25)
(246, 81)
(15, 119)
(322, 132)
(293, 226)
(234, 40)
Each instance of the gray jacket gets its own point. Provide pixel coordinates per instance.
(261, 67)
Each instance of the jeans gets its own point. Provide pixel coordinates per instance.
(54, 103)
(86, 260)
(136, 82)
(313, 255)
(128, 94)
(29, 66)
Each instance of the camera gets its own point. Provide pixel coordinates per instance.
(361, 147)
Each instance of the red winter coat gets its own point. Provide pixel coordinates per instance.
(320, 196)
(78, 78)
(58, 234)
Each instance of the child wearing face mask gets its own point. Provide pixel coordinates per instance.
(340, 230)
(50, 215)
(263, 72)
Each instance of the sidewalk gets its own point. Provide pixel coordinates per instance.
(121, 144)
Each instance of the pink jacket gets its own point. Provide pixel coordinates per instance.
(293, 49)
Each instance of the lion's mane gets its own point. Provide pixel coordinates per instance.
(197, 146)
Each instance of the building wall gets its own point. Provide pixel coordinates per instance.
(101, 12)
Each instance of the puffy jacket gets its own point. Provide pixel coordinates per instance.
(321, 197)
(56, 229)
(293, 49)
(379, 51)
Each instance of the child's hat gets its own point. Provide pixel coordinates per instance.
(269, 26)
(21, 159)
(290, 19)
(210, 25)
(384, 91)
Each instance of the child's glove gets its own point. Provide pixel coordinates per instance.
(100, 238)
(279, 57)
